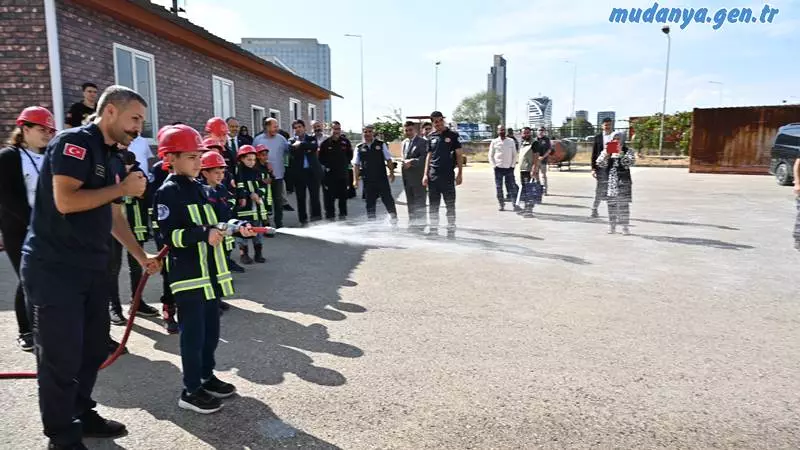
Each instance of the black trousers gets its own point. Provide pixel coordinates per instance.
(415, 198)
(600, 189)
(288, 179)
(439, 188)
(115, 266)
(277, 201)
(335, 191)
(306, 179)
(71, 326)
(507, 175)
(13, 240)
(382, 189)
(796, 233)
(199, 322)
(351, 190)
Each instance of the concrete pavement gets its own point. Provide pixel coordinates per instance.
(521, 333)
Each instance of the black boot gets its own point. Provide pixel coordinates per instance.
(257, 248)
(244, 257)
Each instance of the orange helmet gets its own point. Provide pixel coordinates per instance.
(212, 160)
(261, 148)
(179, 139)
(36, 115)
(246, 150)
(216, 126)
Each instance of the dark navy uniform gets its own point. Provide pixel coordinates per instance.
(223, 202)
(335, 156)
(441, 179)
(64, 271)
(158, 176)
(198, 273)
(371, 159)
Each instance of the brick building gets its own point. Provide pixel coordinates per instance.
(48, 48)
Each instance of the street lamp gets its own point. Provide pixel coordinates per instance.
(720, 90)
(665, 30)
(361, 43)
(436, 88)
(574, 80)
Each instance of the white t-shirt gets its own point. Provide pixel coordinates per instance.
(31, 165)
(141, 148)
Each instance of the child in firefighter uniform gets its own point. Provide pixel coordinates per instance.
(224, 189)
(212, 175)
(252, 200)
(196, 267)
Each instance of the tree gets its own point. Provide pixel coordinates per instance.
(478, 108)
(388, 130)
(582, 128)
(677, 131)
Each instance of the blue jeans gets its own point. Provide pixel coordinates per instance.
(511, 186)
(198, 319)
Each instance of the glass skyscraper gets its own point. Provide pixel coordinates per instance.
(306, 57)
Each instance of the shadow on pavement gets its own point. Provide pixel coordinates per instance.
(712, 243)
(244, 422)
(686, 224)
(493, 233)
(586, 219)
(518, 250)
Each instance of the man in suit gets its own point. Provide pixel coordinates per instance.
(232, 145)
(415, 149)
(306, 172)
(600, 142)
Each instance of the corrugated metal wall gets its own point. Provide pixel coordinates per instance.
(736, 140)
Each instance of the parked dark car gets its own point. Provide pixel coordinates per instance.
(785, 150)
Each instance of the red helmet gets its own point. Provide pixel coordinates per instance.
(212, 160)
(261, 148)
(246, 150)
(212, 143)
(179, 139)
(37, 115)
(216, 126)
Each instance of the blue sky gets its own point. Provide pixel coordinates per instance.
(620, 67)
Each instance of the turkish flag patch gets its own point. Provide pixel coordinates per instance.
(75, 151)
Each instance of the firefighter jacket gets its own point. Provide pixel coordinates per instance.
(222, 202)
(251, 181)
(137, 211)
(185, 216)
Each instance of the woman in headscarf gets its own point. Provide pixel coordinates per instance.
(615, 161)
(20, 163)
(244, 137)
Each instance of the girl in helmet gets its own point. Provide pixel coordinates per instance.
(252, 201)
(20, 163)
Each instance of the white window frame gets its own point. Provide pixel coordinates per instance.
(293, 101)
(278, 113)
(153, 107)
(315, 116)
(233, 96)
(257, 127)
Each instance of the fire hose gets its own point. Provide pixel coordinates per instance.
(228, 228)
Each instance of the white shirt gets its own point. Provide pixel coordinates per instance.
(141, 149)
(31, 165)
(503, 153)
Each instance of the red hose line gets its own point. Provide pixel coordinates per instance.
(137, 299)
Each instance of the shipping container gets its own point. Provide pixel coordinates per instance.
(737, 140)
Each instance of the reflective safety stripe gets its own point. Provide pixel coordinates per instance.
(224, 276)
(138, 227)
(177, 238)
(230, 243)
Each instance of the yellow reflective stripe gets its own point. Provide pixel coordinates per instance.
(211, 215)
(246, 213)
(185, 285)
(138, 228)
(194, 213)
(269, 194)
(227, 288)
(177, 238)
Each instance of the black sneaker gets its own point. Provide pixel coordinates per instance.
(25, 342)
(113, 345)
(200, 402)
(117, 318)
(594, 214)
(234, 267)
(95, 426)
(502, 207)
(224, 306)
(218, 388)
(288, 207)
(77, 446)
(145, 310)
